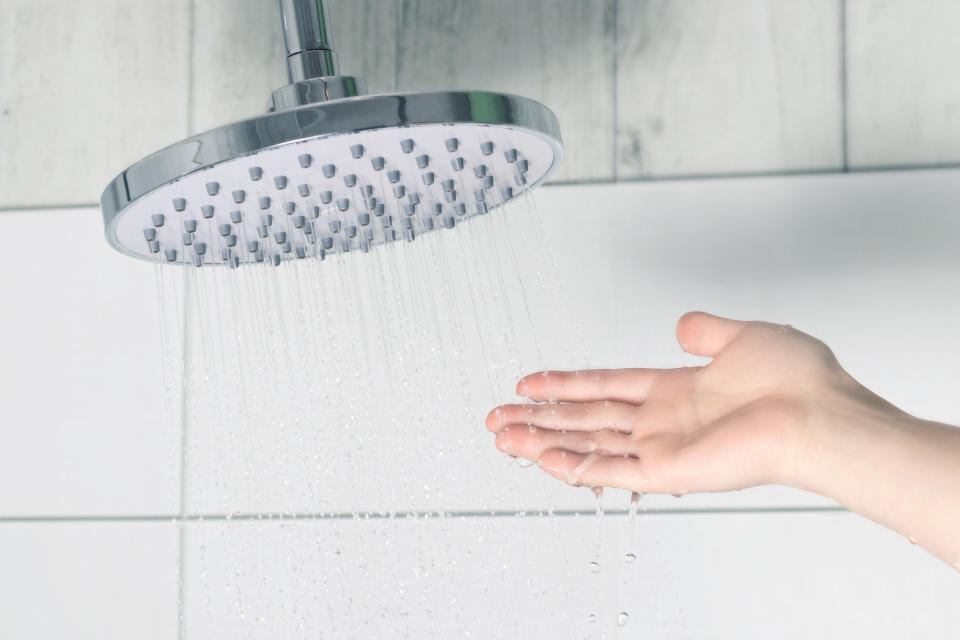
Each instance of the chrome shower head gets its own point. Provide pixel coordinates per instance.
(327, 169)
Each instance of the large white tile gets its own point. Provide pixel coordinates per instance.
(88, 580)
(698, 576)
(903, 99)
(861, 261)
(559, 52)
(706, 87)
(85, 428)
(864, 262)
(85, 90)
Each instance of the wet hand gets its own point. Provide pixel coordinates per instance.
(739, 421)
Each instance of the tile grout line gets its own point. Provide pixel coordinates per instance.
(616, 88)
(777, 173)
(184, 517)
(49, 206)
(844, 139)
(191, 31)
(181, 534)
(396, 43)
(404, 515)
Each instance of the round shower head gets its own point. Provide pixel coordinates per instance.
(328, 169)
(331, 177)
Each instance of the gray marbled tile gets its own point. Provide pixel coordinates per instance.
(557, 51)
(86, 88)
(903, 96)
(725, 87)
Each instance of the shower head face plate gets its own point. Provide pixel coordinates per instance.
(336, 191)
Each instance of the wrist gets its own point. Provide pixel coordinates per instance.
(845, 428)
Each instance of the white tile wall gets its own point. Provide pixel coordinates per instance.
(706, 87)
(864, 261)
(81, 396)
(86, 89)
(88, 580)
(696, 576)
(903, 98)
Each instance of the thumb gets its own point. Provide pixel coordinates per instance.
(702, 334)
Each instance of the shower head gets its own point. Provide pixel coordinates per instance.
(328, 169)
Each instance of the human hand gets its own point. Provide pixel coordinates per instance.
(772, 406)
(739, 421)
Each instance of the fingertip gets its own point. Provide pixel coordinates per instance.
(704, 334)
(685, 326)
(502, 442)
(523, 385)
(495, 419)
(521, 388)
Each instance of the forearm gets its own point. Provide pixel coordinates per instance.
(886, 465)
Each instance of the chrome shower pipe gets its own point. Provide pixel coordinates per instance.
(306, 37)
(312, 67)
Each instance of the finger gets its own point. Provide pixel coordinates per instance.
(703, 334)
(577, 416)
(594, 469)
(740, 450)
(621, 385)
(653, 466)
(531, 442)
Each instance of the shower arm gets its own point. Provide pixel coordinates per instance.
(312, 68)
(306, 37)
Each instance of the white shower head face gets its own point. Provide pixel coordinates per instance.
(334, 194)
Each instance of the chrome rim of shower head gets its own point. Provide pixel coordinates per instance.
(328, 168)
(158, 184)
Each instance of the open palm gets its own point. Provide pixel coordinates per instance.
(735, 422)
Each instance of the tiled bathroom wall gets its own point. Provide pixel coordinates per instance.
(644, 89)
(91, 520)
(95, 540)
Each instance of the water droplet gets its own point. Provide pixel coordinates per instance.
(592, 618)
(622, 618)
(630, 557)
(912, 540)
(595, 566)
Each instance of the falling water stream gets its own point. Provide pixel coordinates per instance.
(325, 399)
